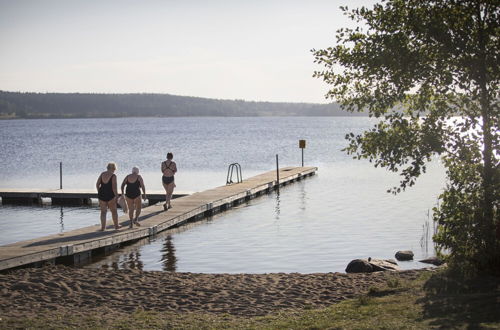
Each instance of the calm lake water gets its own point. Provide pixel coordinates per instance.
(315, 225)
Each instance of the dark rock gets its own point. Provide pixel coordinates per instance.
(359, 266)
(433, 261)
(371, 265)
(404, 255)
(382, 265)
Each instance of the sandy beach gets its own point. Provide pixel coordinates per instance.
(29, 292)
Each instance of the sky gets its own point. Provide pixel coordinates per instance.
(254, 50)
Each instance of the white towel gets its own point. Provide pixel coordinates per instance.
(123, 203)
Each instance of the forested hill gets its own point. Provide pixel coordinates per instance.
(76, 105)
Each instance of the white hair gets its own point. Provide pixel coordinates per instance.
(135, 170)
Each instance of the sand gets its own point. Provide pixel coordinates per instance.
(29, 292)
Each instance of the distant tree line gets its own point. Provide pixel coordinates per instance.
(78, 105)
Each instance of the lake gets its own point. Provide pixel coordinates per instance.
(315, 225)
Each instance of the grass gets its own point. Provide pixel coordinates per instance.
(434, 301)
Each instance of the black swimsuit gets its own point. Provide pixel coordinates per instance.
(168, 179)
(106, 190)
(133, 189)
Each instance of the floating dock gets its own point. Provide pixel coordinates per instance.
(78, 246)
(69, 196)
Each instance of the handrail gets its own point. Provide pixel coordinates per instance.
(239, 176)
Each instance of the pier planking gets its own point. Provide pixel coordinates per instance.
(77, 246)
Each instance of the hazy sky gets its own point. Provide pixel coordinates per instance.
(252, 50)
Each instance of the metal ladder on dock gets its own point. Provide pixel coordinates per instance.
(234, 167)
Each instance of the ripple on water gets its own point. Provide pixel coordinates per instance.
(315, 225)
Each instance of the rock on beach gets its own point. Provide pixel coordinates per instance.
(404, 255)
(371, 265)
(433, 261)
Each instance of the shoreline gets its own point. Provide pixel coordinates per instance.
(7, 118)
(29, 292)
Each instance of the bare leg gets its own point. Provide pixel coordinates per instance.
(130, 205)
(114, 212)
(170, 192)
(104, 208)
(138, 207)
(167, 199)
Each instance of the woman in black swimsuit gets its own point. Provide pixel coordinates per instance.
(107, 193)
(168, 168)
(134, 185)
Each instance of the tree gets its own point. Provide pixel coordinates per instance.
(429, 69)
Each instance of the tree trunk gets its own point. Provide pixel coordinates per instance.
(487, 152)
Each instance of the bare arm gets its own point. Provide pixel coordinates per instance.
(175, 168)
(123, 183)
(113, 182)
(98, 183)
(143, 187)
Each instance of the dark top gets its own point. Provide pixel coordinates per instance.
(133, 189)
(169, 164)
(168, 179)
(106, 190)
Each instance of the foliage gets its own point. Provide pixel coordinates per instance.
(70, 105)
(430, 71)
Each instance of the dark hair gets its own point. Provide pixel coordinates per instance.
(170, 155)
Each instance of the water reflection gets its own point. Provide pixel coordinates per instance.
(134, 260)
(129, 256)
(277, 207)
(302, 196)
(130, 260)
(168, 259)
(61, 220)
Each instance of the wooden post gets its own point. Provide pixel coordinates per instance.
(60, 175)
(302, 145)
(277, 174)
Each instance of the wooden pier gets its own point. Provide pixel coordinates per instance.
(69, 196)
(78, 246)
